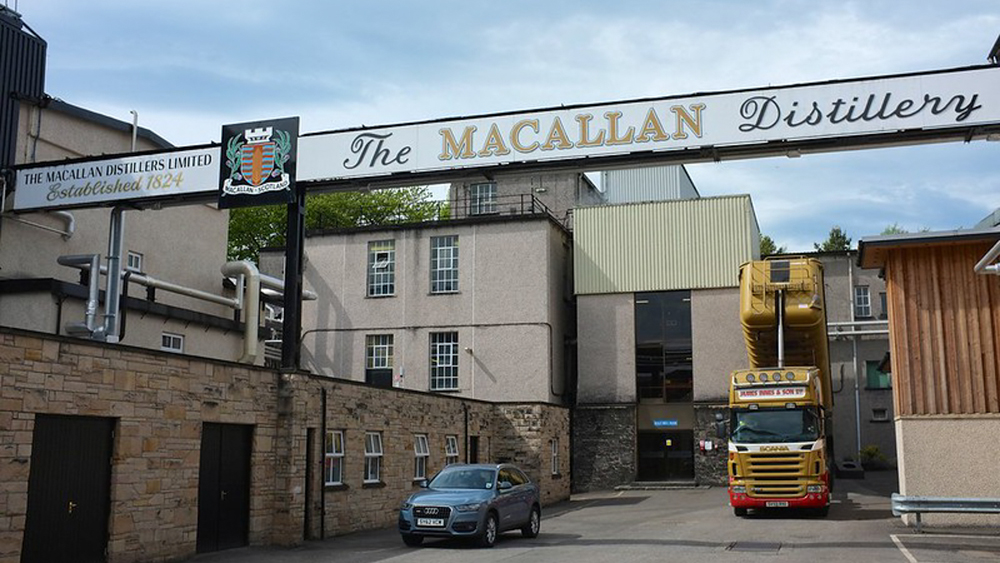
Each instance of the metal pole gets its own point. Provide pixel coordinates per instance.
(291, 327)
(779, 310)
(112, 297)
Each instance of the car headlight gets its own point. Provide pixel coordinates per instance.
(740, 489)
(814, 489)
(406, 505)
(470, 507)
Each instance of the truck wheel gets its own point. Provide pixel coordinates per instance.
(741, 512)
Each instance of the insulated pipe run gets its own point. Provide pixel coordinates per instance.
(112, 297)
(984, 265)
(91, 262)
(251, 303)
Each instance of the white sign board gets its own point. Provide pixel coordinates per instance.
(958, 98)
(124, 178)
(771, 393)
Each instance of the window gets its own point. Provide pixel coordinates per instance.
(862, 301)
(555, 455)
(373, 457)
(381, 268)
(884, 306)
(880, 415)
(171, 342)
(420, 454)
(378, 360)
(444, 264)
(482, 199)
(450, 450)
(877, 379)
(134, 262)
(333, 458)
(444, 361)
(663, 347)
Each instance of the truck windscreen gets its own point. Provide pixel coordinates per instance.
(775, 425)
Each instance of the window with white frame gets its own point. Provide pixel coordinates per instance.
(483, 198)
(373, 457)
(170, 342)
(133, 262)
(862, 301)
(333, 460)
(450, 450)
(421, 451)
(444, 264)
(444, 361)
(378, 359)
(381, 268)
(554, 444)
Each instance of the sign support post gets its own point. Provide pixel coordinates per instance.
(291, 327)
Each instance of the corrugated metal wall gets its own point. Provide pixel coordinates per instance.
(22, 74)
(944, 331)
(657, 183)
(685, 244)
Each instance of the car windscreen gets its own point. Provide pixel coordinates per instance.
(464, 478)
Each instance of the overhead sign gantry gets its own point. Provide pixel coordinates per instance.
(960, 104)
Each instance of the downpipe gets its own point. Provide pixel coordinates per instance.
(92, 263)
(251, 304)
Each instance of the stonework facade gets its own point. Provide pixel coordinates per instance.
(159, 403)
(603, 446)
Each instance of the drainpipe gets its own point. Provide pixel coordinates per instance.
(112, 297)
(251, 302)
(135, 127)
(854, 357)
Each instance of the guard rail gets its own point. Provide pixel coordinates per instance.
(902, 504)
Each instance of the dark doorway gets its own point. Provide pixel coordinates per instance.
(224, 486)
(68, 490)
(473, 449)
(666, 455)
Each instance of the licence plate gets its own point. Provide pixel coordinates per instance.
(432, 522)
(776, 504)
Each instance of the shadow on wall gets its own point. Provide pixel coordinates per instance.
(330, 313)
(523, 436)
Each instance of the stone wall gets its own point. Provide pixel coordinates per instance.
(604, 438)
(710, 466)
(159, 402)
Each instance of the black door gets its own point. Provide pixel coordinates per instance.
(224, 486)
(68, 490)
(665, 455)
(473, 449)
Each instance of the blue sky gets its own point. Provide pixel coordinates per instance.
(189, 66)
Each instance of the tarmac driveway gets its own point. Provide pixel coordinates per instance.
(693, 525)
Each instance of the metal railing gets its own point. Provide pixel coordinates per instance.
(902, 504)
(509, 205)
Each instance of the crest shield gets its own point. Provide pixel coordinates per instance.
(257, 162)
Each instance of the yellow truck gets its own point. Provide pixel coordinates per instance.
(781, 406)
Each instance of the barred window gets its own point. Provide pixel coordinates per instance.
(420, 454)
(554, 443)
(450, 450)
(444, 361)
(373, 457)
(483, 198)
(381, 268)
(444, 264)
(333, 462)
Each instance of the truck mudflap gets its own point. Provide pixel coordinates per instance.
(811, 500)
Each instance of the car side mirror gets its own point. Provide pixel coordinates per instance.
(422, 483)
(505, 486)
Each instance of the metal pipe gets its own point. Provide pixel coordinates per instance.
(150, 281)
(135, 127)
(112, 294)
(70, 222)
(985, 266)
(65, 234)
(91, 262)
(854, 345)
(858, 332)
(779, 309)
(251, 303)
(858, 323)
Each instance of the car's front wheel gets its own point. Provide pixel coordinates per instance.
(530, 530)
(412, 540)
(488, 538)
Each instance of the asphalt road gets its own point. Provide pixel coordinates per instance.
(681, 525)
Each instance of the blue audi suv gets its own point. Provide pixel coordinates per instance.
(472, 501)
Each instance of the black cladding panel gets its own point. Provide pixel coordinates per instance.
(22, 76)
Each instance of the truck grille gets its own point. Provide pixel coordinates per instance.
(776, 474)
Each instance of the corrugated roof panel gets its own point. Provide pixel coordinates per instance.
(660, 246)
(654, 183)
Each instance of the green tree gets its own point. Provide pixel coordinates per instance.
(838, 240)
(894, 229)
(254, 228)
(768, 246)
